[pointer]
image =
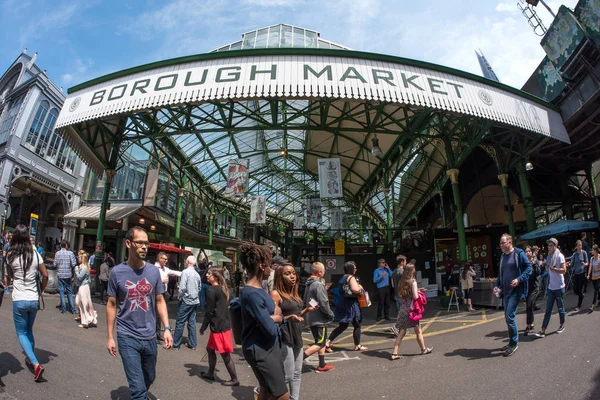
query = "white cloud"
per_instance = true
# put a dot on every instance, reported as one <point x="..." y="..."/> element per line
<point x="42" y="23"/>
<point x="78" y="73"/>
<point x="272" y="3"/>
<point x="507" y="7"/>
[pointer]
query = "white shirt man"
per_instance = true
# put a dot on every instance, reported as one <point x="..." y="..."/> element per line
<point x="165" y="272"/>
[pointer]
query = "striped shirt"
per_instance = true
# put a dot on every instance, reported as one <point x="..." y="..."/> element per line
<point x="64" y="260"/>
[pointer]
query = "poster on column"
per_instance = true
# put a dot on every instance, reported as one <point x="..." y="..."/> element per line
<point x="336" y="219"/>
<point x="330" y="178"/>
<point x="258" y="210"/>
<point x="313" y="210"/>
<point x="237" y="178"/>
<point x="298" y="224"/>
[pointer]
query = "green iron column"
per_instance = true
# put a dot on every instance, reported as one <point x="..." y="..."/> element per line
<point x="211" y="219"/>
<point x="511" y="222"/>
<point x="593" y="192"/>
<point x="442" y="210"/>
<point x="388" y="207"/>
<point x="360" y="227"/>
<point x="179" y="214"/>
<point x="460" y="225"/>
<point x="566" y="194"/>
<point x="527" y="199"/>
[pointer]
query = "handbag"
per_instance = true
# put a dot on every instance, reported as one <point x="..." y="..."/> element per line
<point x="346" y="289"/>
<point x="364" y="300"/>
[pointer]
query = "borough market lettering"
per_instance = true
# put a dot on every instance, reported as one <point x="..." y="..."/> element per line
<point x="195" y="78"/>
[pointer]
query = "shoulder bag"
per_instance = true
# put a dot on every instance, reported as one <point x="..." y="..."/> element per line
<point x="346" y="289"/>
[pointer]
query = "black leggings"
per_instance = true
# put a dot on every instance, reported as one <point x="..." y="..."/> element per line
<point x="596" y="284"/>
<point x="578" y="281"/>
<point x="212" y="363"/>
<point x="342" y="327"/>
<point x="531" y="298"/>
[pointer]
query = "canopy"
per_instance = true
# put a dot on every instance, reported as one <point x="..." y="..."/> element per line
<point x="562" y="226"/>
<point x="168" y="249"/>
<point x="218" y="257"/>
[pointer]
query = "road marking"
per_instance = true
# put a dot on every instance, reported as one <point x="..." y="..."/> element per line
<point x="367" y="329"/>
<point x="483" y="316"/>
<point x="431" y="321"/>
<point x="330" y="358"/>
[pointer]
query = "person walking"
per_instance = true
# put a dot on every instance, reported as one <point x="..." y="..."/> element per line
<point x="189" y="298"/>
<point x="83" y="300"/>
<point x="381" y="278"/>
<point x="23" y="264"/>
<point x="65" y="261"/>
<point x="579" y="265"/>
<point x="408" y="292"/>
<point x="165" y="274"/>
<point x="466" y="281"/>
<point x="261" y="341"/>
<point x="512" y="285"/>
<point x="105" y="268"/>
<point x="594" y="275"/>
<point x="533" y="289"/>
<point x="347" y="311"/>
<point x="556" y="267"/>
<point x="217" y="317"/>
<point x="396" y="275"/>
<point x="137" y="286"/>
<point x="320" y="317"/>
<point x="285" y="295"/>
<point x="203" y="267"/>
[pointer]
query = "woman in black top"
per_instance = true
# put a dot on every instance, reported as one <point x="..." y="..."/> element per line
<point x="217" y="316"/>
<point x="286" y="296"/>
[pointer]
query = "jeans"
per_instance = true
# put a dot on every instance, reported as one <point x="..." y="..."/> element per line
<point x="511" y="301"/>
<point x="292" y="364"/>
<point x="203" y="296"/>
<point x="553" y="295"/>
<point x="596" y="284"/>
<point x="24" y="313"/>
<point x="65" y="284"/>
<point x="383" y="302"/>
<point x="186" y="312"/>
<point x="139" y="363"/>
<point x="578" y="282"/>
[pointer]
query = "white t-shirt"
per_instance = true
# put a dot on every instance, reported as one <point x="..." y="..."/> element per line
<point x="25" y="289"/>
<point x="557" y="281"/>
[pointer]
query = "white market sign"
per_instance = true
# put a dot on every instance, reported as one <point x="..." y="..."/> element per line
<point x="308" y="77"/>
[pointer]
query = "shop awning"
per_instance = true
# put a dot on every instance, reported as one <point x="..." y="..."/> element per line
<point x="92" y="213"/>
<point x="167" y="249"/>
<point x="560" y="227"/>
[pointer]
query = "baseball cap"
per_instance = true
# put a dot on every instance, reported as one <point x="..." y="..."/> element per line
<point x="278" y="260"/>
<point x="552" y="240"/>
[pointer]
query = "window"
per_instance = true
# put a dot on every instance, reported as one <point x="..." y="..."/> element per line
<point x="9" y="118"/>
<point x="41" y="129"/>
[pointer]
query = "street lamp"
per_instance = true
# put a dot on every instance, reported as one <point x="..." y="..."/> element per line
<point x="376" y="150"/>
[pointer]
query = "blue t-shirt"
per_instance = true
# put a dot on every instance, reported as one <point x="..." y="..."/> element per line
<point x="510" y="271"/>
<point x="135" y="291"/>
<point x="258" y="329"/>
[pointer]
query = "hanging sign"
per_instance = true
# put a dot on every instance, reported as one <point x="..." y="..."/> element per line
<point x="237" y="178"/>
<point x="258" y="210"/>
<point x="298" y="224"/>
<point x="340" y="247"/>
<point x="336" y="219"/>
<point x="151" y="188"/>
<point x="33" y="223"/>
<point x="330" y="178"/>
<point x="313" y="210"/>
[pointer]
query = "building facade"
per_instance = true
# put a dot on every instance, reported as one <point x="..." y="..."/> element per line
<point x="41" y="177"/>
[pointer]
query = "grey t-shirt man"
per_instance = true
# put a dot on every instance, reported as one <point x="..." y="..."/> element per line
<point x="135" y="291"/>
<point x="396" y="275"/>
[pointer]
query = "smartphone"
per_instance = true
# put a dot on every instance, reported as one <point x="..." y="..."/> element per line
<point x="313" y="303"/>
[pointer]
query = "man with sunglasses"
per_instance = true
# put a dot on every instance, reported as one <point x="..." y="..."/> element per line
<point x="136" y="285"/>
<point x="512" y="285"/>
<point x="556" y="269"/>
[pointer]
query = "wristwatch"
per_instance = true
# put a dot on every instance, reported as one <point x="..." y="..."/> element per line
<point x="168" y="328"/>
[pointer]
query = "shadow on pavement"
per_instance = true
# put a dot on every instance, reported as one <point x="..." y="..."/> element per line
<point x="242" y="392"/>
<point x="195" y="369"/>
<point x="475" y="354"/>
<point x="595" y="392"/>
<point x="8" y="364"/>
<point x="499" y="335"/>
<point x="44" y="356"/>
<point x="121" y="393"/>
<point x="386" y="354"/>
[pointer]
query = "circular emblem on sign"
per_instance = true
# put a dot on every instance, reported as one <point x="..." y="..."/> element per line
<point x="485" y="97"/>
<point x="75" y="104"/>
<point x="330" y="264"/>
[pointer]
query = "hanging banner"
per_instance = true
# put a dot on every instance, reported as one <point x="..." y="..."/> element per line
<point x="258" y="210"/>
<point x="151" y="188"/>
<point x="336" y="219"/>
<point x="313" y="210"/>
<point x="237" y="178"/>
<point x="330" y="177"/>
<point x="298" y="224"/>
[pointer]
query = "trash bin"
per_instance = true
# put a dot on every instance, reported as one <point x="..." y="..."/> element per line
<point x="52" y="286"/>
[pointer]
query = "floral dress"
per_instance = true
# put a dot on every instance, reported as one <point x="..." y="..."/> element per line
<point x="402" y="321"/>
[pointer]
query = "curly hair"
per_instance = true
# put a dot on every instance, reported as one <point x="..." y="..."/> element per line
<point x="252" y="256"/>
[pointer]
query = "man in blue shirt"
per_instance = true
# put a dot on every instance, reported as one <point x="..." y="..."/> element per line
<point x="512" y="285"/>
<point x="381" y="278"/>
<point x="137" y="287"/>
<point x="65" y="261"/>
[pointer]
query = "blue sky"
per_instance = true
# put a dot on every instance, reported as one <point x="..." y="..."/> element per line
<point x="80" y="40"/>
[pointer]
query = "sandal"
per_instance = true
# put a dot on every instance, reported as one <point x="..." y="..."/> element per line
<point x="360" y="347"/>
<point x="395" y="357"/>
<point x="426" y="350"/>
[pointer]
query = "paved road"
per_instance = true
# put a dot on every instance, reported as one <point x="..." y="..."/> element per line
<point x="466" y="362"/>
